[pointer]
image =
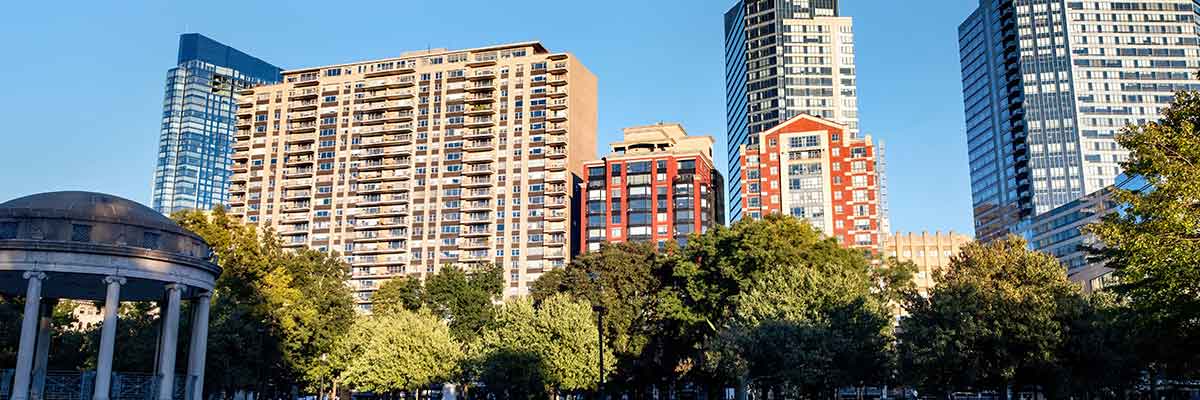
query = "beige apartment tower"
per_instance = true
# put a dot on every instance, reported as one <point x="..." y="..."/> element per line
<point x="437" y="157"/>
<point x="931" y="252"/>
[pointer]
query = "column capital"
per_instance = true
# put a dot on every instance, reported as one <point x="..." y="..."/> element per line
<point x="175" y="286"/>
<point x="204" y="294"/>
<point x="39" y="275"/>
<point x="120" y="280"/>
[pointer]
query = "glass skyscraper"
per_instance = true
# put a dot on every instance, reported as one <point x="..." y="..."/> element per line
<point x="195" y="144"/>
<point x="784" y="58"/>
<point x="1047" y="84"/>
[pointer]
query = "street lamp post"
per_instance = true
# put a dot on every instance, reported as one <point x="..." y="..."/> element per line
<point x="600" y="330"/>
<point x="599" y="309"/>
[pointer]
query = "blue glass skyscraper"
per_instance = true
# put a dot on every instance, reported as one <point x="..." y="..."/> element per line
<point x="195" y="144"/>
<point x="1047" y="85"/>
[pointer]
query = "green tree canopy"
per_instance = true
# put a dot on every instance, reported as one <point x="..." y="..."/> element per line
<point x="404" y="351"/>
<point x="1154" y="243"/>
<point x="397" y="294"/>
<point x="993" y="320"/>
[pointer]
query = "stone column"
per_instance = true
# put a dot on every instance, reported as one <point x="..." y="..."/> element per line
<point x="108" y="337"/>
<point x="25" y="348"/>
<point x="170" y="333"/>
<point x="41" y="355"/>
<point x="198" y="349"/>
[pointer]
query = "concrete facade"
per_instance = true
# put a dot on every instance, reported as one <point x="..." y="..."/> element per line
<point x="410" y="163"/>
<point x="931" y="252"/>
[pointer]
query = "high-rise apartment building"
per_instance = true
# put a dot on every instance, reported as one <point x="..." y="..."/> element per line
<point x="196" y="141"/>
<point x="658" y="184"/>
<point x="784" y="58"/>
<point x="1059" y="232"/>
<point x="431" y="158"/>
<point x="930" y="252"/>
<point x="1047" y="84"/>
<point x="814" y="169"/>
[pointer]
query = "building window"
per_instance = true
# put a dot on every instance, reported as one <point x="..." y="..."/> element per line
<point x="81" y="233"/>
<point x="8" y="230"/>
<point x="150" y="240"/>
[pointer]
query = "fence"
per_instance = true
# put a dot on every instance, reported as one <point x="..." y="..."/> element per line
<point x="72" y="385"/>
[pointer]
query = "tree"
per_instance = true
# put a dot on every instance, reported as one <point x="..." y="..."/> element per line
<point x="807" y="320"/>
<point x="992" y="321"/>
<point x="1154" y="242"/>
<point x="274" y="313"/>
<point x="645" y="324"/>
<point x="529" y="352"/>
<point x="397" y="294"/>
<point x="405" y="351"/>
<point x="465" y="299"/>
<point x="319" y="317"/>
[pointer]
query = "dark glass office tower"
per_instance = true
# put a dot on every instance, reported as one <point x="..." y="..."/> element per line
<point x="1043" y="103"/>
<point x="784" y="58"/>
<point x="197" y="135"/>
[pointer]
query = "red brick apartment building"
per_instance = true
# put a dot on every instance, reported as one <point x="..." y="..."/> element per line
<point x="815" y="169"/>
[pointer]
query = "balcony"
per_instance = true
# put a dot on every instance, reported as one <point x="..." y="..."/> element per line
<point x="378" y="236"/>
<point x="296" y="194"/>
<point x="390" y="94"/>
<point x="556" y="128"/>
<point x="386" y="105"/>
<point x="559" y="92"/>
<point x="476" y="181"/>
<point x="300" y="160"/>
<point x="239" y="177"/>
<point x="556" y="177"/>
<point x="386" y="140"/>
<point x="477" y="205"/>
<point x="478" y="134"/>
<point x="556" y="152"/>
<point x="371" y="165"/>
<point x="482" y="75"/>
<point x="481" y="86"/>
<point x="476" y="232"/>
<point x="556" y="165"/>
<point x="297" y="172"/>
<point x="380" y="260"/>
<point x="384" y="151"/>
<point x="381" y="223"/>
<point x="558" y="104"/>
<point x="479" y="145"/>
<point x="556" y="189"/>
<point x="298" y="149"/>
<point x="556" y="215"/>
<point x="393" y="82"/>
<point x="475" y="243"/>
<point x="296" y="206"/>
<point x="304" y="93"/>
<point x="380" y="247"/>
<point x="369" y="212"/>
<point x="482" y="169"/>
<point x="383" y="175"/>
<point x="478" y="158"/>
<point x="477" y="194"/>
<point x="294" y="183"/>
<point x="389" y="187"/>
<point x="377" y="199"/>
<point x="557" y="116"/>
<point x="480" y="109"/>
<point x="480" y="122"/>
<point x="303" y="105"/>
<point x="558" y="67"/>
<point x="477" y="98"/>
<point x="556" y="138"/>
<point x="300" y="127"/>
<point x="556" y="202"/>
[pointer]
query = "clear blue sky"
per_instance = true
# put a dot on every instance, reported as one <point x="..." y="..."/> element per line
<point x="83" y="83"/>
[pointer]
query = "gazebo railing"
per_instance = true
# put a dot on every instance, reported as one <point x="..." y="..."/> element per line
<point x="73" y="385"/>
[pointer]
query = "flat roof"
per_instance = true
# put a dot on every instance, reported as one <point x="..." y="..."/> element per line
<point x="537" y="45"/>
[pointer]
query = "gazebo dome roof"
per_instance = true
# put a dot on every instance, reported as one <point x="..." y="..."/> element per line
<point x="89" y="206"/>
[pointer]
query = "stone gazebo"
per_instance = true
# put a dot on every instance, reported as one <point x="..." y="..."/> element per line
<point x="93" y="246"/>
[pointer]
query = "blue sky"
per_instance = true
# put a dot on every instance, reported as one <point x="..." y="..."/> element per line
<point x="83" y="83"/>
